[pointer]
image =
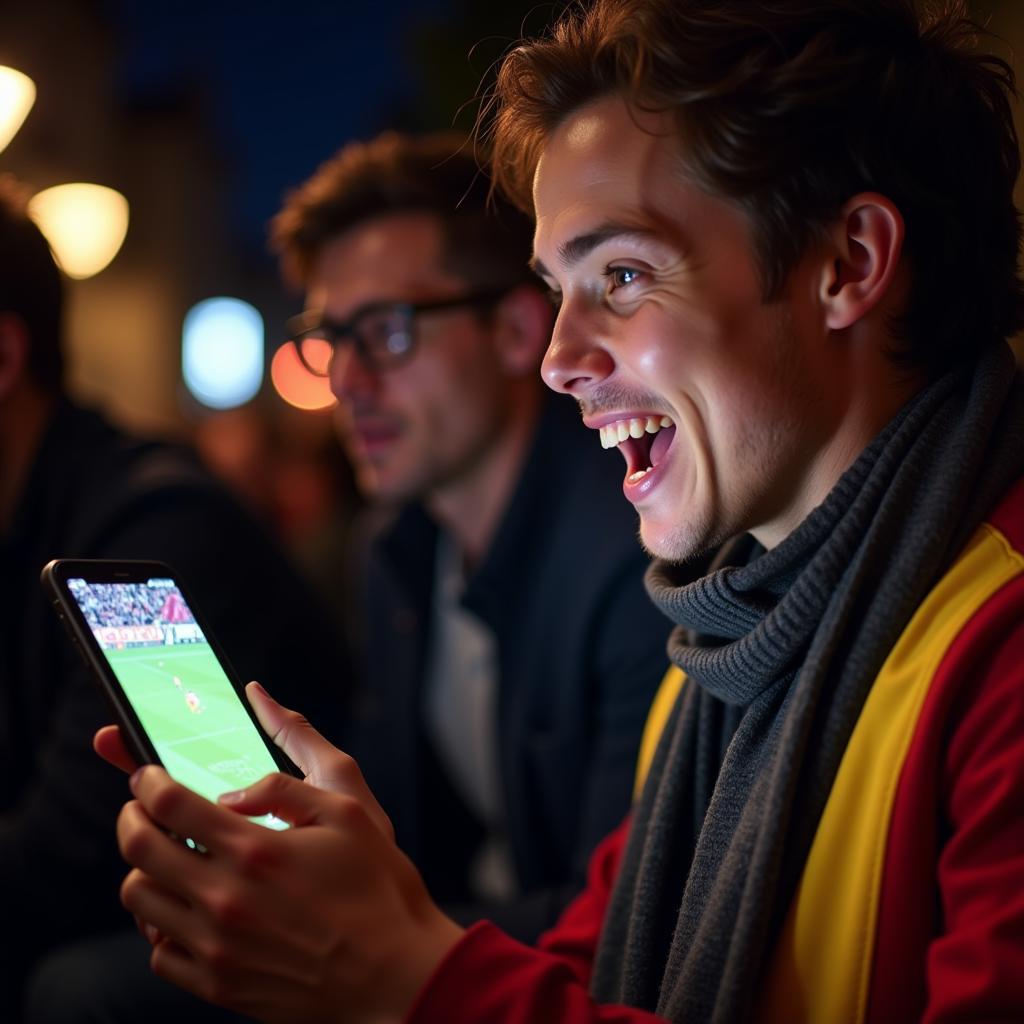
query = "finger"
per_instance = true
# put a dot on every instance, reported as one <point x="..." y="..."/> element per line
<point x="177" y="965"/>
<point x="179" y="810"/>
<point x="174" y="964"/>
<point x="289" y="799"/>
<point x="293" y="733"/>
<point x="109" y="744"/>
<point x="158" y="913"/>
<point x="146" y="846"/>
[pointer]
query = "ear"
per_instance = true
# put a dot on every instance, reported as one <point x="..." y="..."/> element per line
<point x="13" y="352"/>
<point x="867" y="241"/>
<point x="522" y="324"/>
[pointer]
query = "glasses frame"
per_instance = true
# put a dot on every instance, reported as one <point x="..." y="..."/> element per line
<point x="303" y="324"/>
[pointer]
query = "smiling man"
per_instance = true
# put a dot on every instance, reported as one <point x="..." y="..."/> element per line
<point x="785" y="244"/>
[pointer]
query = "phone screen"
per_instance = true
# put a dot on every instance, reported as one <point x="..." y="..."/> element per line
<point x="171" y="677"/>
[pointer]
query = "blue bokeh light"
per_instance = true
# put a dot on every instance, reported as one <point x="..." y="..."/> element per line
<point x="222" y="352"/>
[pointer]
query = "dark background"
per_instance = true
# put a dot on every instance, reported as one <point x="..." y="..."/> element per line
<point x="204" y="114"/>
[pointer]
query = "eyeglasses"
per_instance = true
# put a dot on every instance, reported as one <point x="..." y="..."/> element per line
<point x="382" y="333"/>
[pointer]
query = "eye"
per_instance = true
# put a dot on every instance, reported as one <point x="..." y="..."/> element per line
<point x="621" y="277"/>
<point x="554" y="296"/>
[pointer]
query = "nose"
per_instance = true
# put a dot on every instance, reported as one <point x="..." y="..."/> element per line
<point x="350" y="377"/>
<point x="576" y="359"/>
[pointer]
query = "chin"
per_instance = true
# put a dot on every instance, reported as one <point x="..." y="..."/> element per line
<point x="676" y="542"/>
<point x="387" y="488"/>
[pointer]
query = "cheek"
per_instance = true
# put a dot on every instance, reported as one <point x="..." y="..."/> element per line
<point x="451" y="406"/>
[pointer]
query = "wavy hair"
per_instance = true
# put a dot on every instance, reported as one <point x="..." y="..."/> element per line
<point x="486" y="243"/>
<point x="790" y="107"/>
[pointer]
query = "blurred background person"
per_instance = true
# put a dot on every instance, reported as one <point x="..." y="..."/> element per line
<point x="507" y="655"/>
<point x="72" y="485"/>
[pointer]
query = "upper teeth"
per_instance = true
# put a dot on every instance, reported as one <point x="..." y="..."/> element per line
<point x="617" y="432"/>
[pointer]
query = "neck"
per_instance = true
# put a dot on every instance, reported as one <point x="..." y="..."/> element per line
<point x="471" y="507"/>
<point x="868" y="393"/>
<point x="24" y="415"/>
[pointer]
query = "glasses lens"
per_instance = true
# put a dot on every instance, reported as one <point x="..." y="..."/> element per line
<point x="385" y="334"/>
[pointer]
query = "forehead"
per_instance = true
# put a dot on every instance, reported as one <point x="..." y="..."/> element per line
<point x="610" y="164"/>
<point x="393" y="257"/>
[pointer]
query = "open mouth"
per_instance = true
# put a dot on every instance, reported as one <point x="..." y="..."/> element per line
<point x="643" y="441"/>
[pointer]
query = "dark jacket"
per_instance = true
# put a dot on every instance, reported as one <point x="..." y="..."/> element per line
<point x="95" y="492"/>
<point x="580" y="650"/>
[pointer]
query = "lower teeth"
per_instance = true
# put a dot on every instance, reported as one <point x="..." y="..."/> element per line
<point x="639" y="474"/>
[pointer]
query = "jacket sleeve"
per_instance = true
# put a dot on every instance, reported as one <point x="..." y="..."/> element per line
<point x="488" y="976"/>
<point x="976" y="963"/>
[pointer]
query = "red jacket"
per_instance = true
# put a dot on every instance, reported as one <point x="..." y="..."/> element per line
<point x="911" y="905"/>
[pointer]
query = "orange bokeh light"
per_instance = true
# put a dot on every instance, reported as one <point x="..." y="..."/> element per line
<point x="295" y="384"/>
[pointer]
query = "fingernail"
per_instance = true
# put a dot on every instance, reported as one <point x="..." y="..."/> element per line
<point x="133" y="781"/>
<point x="151" y="933"/>
<point x="234" y="796"/>
<point x="256" y="686"/>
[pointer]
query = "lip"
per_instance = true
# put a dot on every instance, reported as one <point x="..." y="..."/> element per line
<point x="637" y="491"/>
<point x="373" y="436"/>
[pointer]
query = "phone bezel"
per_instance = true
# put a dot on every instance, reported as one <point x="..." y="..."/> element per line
<point x="55" y="575"/>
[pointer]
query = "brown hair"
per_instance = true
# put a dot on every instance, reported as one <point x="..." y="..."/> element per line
<point x="487" y="243"/>
<point x="790" y="107"/>
<point x="30" y="285"/>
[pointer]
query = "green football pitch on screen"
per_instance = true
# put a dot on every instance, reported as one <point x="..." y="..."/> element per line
<point x="193" y="717"/>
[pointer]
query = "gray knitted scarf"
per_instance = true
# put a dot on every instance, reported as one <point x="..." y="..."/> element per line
<point x="783" y="647"/>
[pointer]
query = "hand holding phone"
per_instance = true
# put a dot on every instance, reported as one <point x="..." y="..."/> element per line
<point x="177" y="701"/>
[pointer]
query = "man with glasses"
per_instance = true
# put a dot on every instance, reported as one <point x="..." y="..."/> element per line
<point x="509" y="649"/>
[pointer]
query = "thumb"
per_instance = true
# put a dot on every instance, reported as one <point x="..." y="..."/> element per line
<point x="323" y="764"/>
<point x="292" y="733"/>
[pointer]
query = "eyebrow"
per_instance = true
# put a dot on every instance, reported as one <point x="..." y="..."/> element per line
<point x="575" y="249"/>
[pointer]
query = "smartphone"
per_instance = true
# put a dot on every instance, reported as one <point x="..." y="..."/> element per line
<point x="177" y="700"/>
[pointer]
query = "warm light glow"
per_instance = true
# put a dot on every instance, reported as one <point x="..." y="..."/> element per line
<point x="294" y="383"/>
<point x="222" y="343"/>
<point x="17" y="94"/>
<point x="84" y="224"/>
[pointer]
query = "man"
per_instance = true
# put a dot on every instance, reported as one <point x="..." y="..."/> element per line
<point x="509" y="650"/>
<point x="785" y="232"/>
<point x="71" y="485"/>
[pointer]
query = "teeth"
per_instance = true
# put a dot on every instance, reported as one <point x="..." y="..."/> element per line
<point x="615" y="433"/>
<point x="638" y="475"/>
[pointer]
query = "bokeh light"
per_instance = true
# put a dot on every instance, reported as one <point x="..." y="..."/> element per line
<point x="294" y="383"/>
<point x="17" y="94"/>
<point x="84" y="224"/>
<point x="222" y="352"/>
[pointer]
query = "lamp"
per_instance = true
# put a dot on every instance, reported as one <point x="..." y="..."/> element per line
<point x="17" y="94"/>
<point x="84" y="224"/>
<point x="295" y="384"/>
<point x="222" y="343"/>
